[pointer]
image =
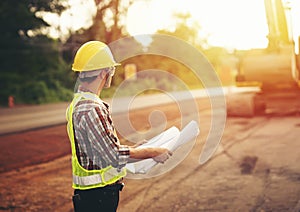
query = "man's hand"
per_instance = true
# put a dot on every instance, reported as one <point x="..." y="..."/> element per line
<point x="165" y="154"/>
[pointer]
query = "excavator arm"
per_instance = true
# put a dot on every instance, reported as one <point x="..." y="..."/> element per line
<point x="277" y="24"/>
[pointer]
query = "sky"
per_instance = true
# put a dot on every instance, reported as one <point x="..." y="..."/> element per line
<point x="233" y="24"/>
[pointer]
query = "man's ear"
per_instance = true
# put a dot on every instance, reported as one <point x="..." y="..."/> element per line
<point x="102" y="74"/>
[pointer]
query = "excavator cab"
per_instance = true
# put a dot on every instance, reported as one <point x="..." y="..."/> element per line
<point x="274" y="71"/>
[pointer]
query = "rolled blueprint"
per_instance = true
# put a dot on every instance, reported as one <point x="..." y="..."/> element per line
<point x="171" y="139"/>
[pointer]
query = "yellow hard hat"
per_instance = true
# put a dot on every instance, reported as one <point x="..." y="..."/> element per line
<point x="93" y="55"/>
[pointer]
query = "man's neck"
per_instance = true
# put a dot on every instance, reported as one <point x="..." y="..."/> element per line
<point x="90" y="90"/>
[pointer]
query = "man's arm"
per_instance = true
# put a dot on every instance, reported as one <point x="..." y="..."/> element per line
<point x="157" y="153"/>
<point x="121" y="153"/>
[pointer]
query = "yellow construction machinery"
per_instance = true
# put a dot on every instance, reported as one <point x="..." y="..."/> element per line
<point x="274" y="71"/>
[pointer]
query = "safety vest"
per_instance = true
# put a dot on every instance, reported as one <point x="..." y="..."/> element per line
<point x="83" y="178"/>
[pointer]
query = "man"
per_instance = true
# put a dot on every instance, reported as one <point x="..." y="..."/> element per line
<point x="98" y="159"/>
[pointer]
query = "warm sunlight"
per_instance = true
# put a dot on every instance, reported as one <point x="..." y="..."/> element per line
<point x="79" y="15"/>
<point x="231" y="23"/>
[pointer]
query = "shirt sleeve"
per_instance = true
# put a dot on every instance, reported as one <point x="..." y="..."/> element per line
<point x="104" y="140"/>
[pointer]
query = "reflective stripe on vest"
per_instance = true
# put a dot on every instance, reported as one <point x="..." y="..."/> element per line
<point x="83" y="178"/>
<point x="96" y="178"/>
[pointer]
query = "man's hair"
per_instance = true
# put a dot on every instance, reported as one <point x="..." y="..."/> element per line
<point x="87" y="79"/>
<point x="90" y="76"/>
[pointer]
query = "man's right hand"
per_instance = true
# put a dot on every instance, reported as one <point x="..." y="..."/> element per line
<point x="165" y="154"/>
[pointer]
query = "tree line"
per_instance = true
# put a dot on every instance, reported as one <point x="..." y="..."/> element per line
<point x="36" y="68"/>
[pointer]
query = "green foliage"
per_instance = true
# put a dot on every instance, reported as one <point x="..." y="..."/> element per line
<point x="188" y="30"/>
<point x="141" y="85"/>
<point x="155" y="74"/>
<point x="31" y="66"/>
<point x="33" y="71"/>
<point x="37" y="92"/>
<point x="175" y="70"/>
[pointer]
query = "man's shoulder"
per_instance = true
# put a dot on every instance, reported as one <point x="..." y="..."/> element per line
<point x="88" y="105"/>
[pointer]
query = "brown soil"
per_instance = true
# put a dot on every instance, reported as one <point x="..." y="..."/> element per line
<point x="256" y="168"/>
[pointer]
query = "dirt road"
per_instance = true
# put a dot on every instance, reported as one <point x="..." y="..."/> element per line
<point x="256" y="168"/>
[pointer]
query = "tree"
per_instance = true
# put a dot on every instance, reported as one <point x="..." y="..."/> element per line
<point x="186" y="29"/>
<point x="108" y="19"/>
<point x="108" y="26"/>
<point x="31" y="67"/>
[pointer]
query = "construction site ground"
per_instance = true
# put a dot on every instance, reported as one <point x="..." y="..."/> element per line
<point x="256" y="168"/>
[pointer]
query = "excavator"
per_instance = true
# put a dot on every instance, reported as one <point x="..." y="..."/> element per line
<point x="272" y="73"/>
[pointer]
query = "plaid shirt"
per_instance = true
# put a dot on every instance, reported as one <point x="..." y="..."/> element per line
<point x="97" y="145"/>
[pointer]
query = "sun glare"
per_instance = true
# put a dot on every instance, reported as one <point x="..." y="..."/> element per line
<point x="231" y="23"/>
<point x="146" y="17"/>
<point x="76" y="17"/>
<point x="234" y="24"/>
